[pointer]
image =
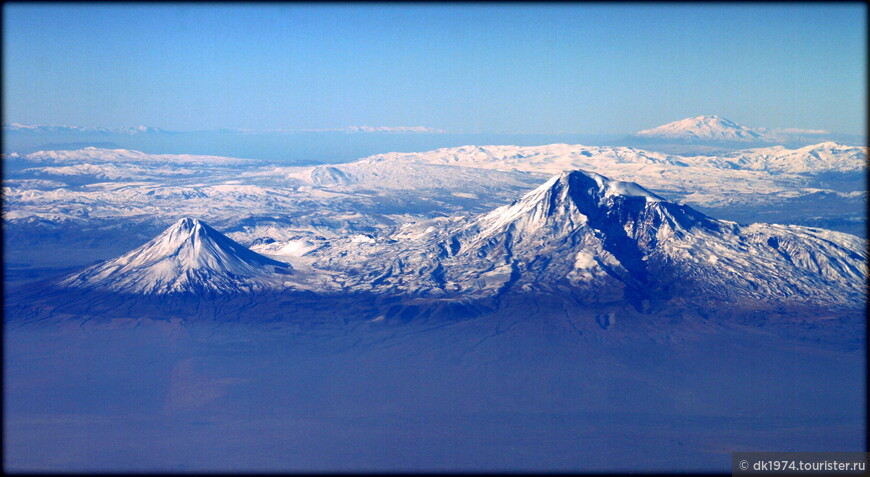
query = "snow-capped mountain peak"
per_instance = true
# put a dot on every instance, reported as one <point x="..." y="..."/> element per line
<point x="704" y="128"/>
<point x="583" y="230"/>
<point x="188" y="256"/>
<point x="566" y="200"/>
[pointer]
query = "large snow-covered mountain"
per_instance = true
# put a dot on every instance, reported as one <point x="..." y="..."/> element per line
<point x="582" y="229"/>
<point x="189" y="257"/>
<point x="604" y="240"/>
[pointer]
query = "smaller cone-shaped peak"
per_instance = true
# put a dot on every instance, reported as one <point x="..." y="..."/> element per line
<point x="188" y="256"/>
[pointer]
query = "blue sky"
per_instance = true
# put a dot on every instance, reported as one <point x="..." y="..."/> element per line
<point x="465" y="68"/>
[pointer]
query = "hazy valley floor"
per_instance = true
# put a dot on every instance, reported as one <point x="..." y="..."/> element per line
<point x="515" y="391"/>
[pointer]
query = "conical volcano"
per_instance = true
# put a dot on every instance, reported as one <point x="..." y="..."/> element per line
<point x="188" y="257"/>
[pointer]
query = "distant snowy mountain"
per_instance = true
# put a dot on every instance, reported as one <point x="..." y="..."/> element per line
<point x="706" y="128"/>
<point x="715" y="134"/>
<point x="189" y="257"/>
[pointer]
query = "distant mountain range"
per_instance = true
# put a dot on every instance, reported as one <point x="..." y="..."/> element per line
<point x="695" y="130"/>
<point x="814" y="159"/>
<point x="55" y="129"/>
<point x="36" y="129"/>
